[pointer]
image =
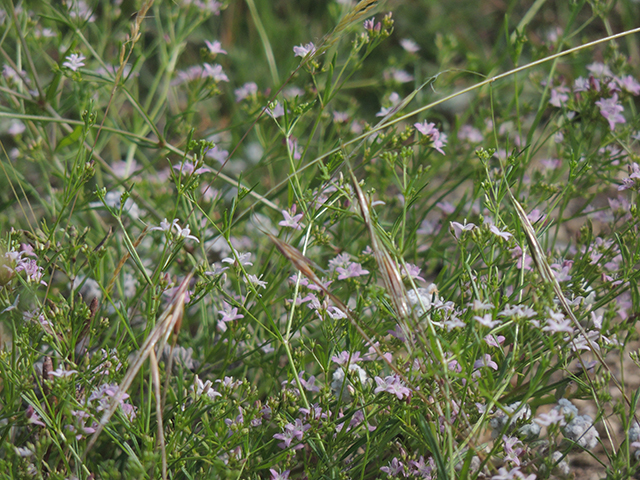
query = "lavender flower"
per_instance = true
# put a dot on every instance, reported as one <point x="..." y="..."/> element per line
<point x="438" y="139"/>
<point x="345" y="357"/>
<point x="611" y="110"/>
<point x="486" y="320"/>
<point x="245" y="91"/>
<point x="420" y="299"/>
<point x="291" y="220"/>
<point x="392" y="384"/>
<point x="554" y="417"/>
<point x="394" y="100"/>
<point x="458" y="228"/>
<point x="304" y="50"/>
<point x="339" y="379"/>
<point x="215" y="71"/>
<point x="275" y="475"/>
<point x="496" y="231"/>
<point x="394" y="469"/>
<point x="352" y="270"/>
<point x="291" y="432"/>
<point x="215" y="47"/>
<point x="470" y="134"/>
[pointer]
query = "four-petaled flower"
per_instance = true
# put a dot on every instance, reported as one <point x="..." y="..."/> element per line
<point x="458" y="228"/>
<point x="215" y="47"/>
<point x="291" y="220"/>
<point x="611" y="110"/>
<point x="353" y="270"/>
<point x="292" y="431"/>
<point x="392" y="384"/>
<point x="276" y="475"/>
<point x="74" y="61"/>
<point x="395" y="468"/>
<point x="346" y="357"/>
<point x="181" y="233"/>
<point x="214" y="71"/>
<point x="486" y="320"/>
<point x="552" y="418"/>
<point x="438" y="139"/>
<point x="495" y="230"/>
<point x="304" y="50"/>
<point x="229" y="314"/>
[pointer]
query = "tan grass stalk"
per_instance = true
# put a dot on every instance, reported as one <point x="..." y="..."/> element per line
<point x="168" y="322"/>
<point x="540" y="260"/>
<point x="303" y="264"/>
<point x="387" y="267"/>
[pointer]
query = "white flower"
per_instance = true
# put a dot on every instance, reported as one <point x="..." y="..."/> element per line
<point x="409" y="45"/>
<point x="74" y="61"/>
<point x="304" y="50"/>
<point x="256" y="281"/>
<point x="184" y="233"/>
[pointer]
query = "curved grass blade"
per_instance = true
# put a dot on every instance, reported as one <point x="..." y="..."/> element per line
<point x="540" y="261"/>
<point x="169" y="321"/>
<point x="387" y="267"/>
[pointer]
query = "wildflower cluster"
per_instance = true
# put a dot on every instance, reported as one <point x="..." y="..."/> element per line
<point x="364" y="249"/>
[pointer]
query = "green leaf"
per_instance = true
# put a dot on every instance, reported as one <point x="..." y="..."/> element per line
<point x="70" y="139"/>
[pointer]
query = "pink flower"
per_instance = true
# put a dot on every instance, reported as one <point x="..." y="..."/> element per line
<point x="215" y="47"/>
<point x="309" y="385"/>
<point x="352" y="270"/>
<point x="189" y="168"/>
<point x="370" y="25"/>
<point x="247" y="90"/>
<point x="336" y="313"/>
<point x="230" y="314"/>
<point x="291" y="220"/>
<point x="33" y="417"/>
<point x="392" y="384"/>
<point x="217" y="154"/>
<point x="486" y="320"/>
<point x="275" y="475"/>
<point x="346" y="357"/>
<point x="485" y="361"/>
<point x="61" y="372"/>
<point x="559" y="96"/>
<point x="551" y="418"/>
<point x="292" y="431"/>
<point x="304" y="50"/>
<point x="274" y="110"/>
<point x="611" y="110"/>
<point x="629" y="84"/>
<point x="495" y="230"/>
<point x="399" y="76"/>
<point x="412" y="271"/>
<point x="458" y="228"/>
<point x="409" y="45"/>
<point x="470" y="134"/>
<point x="557" y="323"/>
<point x="294" y="148"/>
<point x="394" y="469"/>
<point x="438" y="139"/>
<point x="215" y="71"/>
<point x="394" y="100"/>
<point x="494" y="341"/>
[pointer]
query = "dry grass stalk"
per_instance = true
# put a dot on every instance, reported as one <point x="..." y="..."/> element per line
<point x="387" y="267"/>
<point x="168" y="322"/>
<point x="303" y="264"/>
<point x="540" y="261"/>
